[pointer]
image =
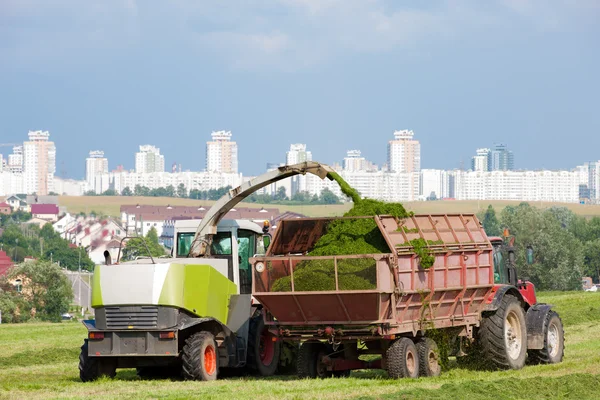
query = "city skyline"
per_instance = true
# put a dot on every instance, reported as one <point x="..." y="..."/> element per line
<point x="119" y="74"/>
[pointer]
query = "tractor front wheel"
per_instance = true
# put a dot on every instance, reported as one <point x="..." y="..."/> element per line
<point x="200" y="359"/>
<point x="503" y="335"/>
<point x="554" y="342"/>
<point x="263" y="348"/>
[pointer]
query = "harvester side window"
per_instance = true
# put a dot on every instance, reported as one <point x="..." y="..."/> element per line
<point x="184" y="241"/>
<point x="221" y="244"/>
<point x="246" y="248"/>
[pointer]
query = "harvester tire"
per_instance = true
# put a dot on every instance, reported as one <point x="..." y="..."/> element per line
<point x="402" y="359"/>
<point x="200" y="358"/>
<point x="429" y="357"/>
<point x="554" y="342"/>
<point x="308" y="363"/>
<point x="91" y="368"/>
<point x="503" y="335"/>
<point x="263" y="352"/>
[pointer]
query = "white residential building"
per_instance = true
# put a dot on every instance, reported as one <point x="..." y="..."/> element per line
<point x="95" y="164"/>
<point x="39" y="163"/>
<point x="69" y="187"/>
<point x="480" y="161"/>
<point x="404" y="153"/>
<point x="550" y="186"/>
<point x="354" y="162"/>
<point x="434" y="184"/>
<point x="15" y="160"/>
<point x="295" y="155"/>
<point x="10" y="183"/>
<point x="149" y="159"/>
<point x="222" y="153"/>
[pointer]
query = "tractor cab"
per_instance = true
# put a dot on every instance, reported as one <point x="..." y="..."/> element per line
<point x="236" y="242"/>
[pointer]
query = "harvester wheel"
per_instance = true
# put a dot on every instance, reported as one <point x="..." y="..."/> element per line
<point x="403" y="359"/>
<point x="309" y="361"/>
<point x="91" y="368"/>
<point x="554" y="342"/>
<point x="429" y="357"/>
<point x="503" y="335"/>
<point x="263" y="350"/>
<point x="200" y="359"/>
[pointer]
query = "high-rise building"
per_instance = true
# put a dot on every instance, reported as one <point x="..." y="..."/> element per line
<point x="355" y="162"/>
<point x="297" y="154"/>
<point x="480" y="161"/>
<point x="149" y="159"/>
<point x="404" y="153"/>
<point x="2" y="163"/>
<point x="39" y="163"/>
<point x="222" y="153"/>
<point x="95" y="165"/>
<point x="501" y="159"/>
<point x="15" y="160"/>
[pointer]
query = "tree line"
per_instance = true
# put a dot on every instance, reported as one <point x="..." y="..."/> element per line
<point x="566" y="246"/>
<point x="280" y="197"/>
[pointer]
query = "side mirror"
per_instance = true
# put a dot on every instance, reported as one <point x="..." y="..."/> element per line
<point x="266" y="241"/>
<point x="529" y="255"/>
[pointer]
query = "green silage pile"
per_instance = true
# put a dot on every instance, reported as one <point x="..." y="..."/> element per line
<point x="345" y="237"/>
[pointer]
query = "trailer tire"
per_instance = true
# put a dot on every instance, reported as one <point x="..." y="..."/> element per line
<point x="403" y="359"/>
<point x="91" y="368"/>
<point x="200" y="357"/>
<point x="554" y="342"/>
<point x="308" y="363"/>
<point x="263" y="352"/>
<point x="429" y="357"/>
<point x="503" y="335"/>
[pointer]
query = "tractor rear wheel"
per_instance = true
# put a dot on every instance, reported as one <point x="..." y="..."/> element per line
<point x="429" y="357"/>
<point x="263" y="350"/>
<point x="503" y="335"/>
<point x="200" y="358"/>
<point x="402" y="359"/>
<point x="554" y="342"/>
<point x="309" y="364"/>
<point x="91" y="368"/>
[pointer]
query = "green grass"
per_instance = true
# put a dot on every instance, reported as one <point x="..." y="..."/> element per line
<point x="39" y="360"/>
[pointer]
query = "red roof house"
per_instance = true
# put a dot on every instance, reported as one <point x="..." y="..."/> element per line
<point x="48" y="212"/>
<point x="5" y="208"/>
<point x="5" y="263"/>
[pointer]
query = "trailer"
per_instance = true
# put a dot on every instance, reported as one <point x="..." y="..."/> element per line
<point x="469" y="302"/>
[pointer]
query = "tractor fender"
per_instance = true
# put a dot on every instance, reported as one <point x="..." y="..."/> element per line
<point x="536" y="325"/>
<point x="207" y="324"/>
<point x="499" y="295"/>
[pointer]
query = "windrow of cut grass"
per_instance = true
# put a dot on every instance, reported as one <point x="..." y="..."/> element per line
<point x="39" y="361"/>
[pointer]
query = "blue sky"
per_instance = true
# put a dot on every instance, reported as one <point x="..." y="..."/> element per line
<point x="334" y="74"/>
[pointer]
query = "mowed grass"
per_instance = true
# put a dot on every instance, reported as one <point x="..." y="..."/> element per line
<point x="110" y="205"/>
<point x="39" y="360"/>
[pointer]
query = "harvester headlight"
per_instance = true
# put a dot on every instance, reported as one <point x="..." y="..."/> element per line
<point x="260" y="267"/>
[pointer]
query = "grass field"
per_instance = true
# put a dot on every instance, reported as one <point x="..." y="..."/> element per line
<point x="39" y="360"/>
<point x="110" y="205"/>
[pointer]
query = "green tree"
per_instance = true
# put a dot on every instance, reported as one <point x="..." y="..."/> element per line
<point x="181" y="191"/>
<point x="126" y="191"/>
<point x="281" y="194"/>
<point x="46" y="288"/>
<point x="140" y="246"/>
<point x="170" y="191"/>
<point x="140" y="190"/>
<point x="491" y="225"/>
<point x="559" y="259"/>
<point x="110" y="192"/>
<point x="591" y="255"/>
<point x="328" y="197"/>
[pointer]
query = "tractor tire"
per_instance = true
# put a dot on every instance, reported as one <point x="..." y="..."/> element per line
<point x="554" y="342"/>
<point x="429" y="357"/>
<point x="309" y="361"/>
<point x="263" y="352"/>
<point x="503" y="335"/>
<point x="92" y="368"/>
<point x="200" y="358"/>
<point x="402" y="359"/>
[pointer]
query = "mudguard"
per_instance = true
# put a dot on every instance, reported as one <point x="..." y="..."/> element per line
<point x="536" y="321"/>
<point x="499" y="295"/>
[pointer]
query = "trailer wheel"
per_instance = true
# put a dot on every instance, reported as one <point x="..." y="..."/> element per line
<point x="309" y="363"/>
<point x="263" y="352"/>
<point x="554" y="342"/>
<point x="91" y="368"/>
<point x="503" y="335"/>
<point x="200" y="359"/>
<point x="403" y="359"/>
<point x="429" y="357"/>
